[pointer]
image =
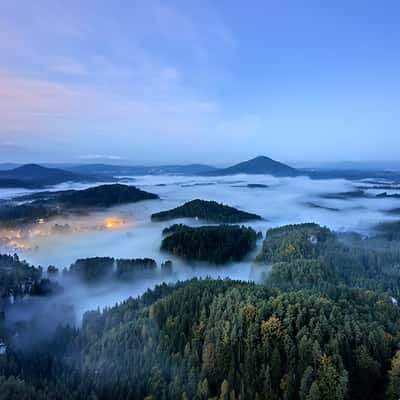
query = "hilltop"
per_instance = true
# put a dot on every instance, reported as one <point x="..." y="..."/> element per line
<point x="43" y="205"/>
<point x="37" y="176"/>
<point x="207" y="210"/>
<point x="258" y="165"/>
<point x="97" y="196"/>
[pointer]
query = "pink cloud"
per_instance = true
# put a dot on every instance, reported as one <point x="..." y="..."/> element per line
<point x="29" y="105"/>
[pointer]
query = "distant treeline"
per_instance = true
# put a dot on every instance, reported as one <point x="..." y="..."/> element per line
<point x="95" y="269"/>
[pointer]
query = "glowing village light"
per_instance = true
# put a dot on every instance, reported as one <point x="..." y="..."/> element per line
<point x="114" y="223"/>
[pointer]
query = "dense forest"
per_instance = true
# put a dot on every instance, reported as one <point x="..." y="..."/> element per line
<point x="223" y="340"/>
<point x="97" y="196"/>
<point x="324" y="325"/>
<point x="43" y="205"/>
<point x="210" y="211"/>
<point x="98" y="269"/>
<point x="18" y="278"/>
<point x="214" y="244"/>
<point x="308" y="255"/>
<point x="15" y="215"/>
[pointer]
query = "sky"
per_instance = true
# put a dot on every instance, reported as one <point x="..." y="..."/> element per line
<point x="199" y="81"/>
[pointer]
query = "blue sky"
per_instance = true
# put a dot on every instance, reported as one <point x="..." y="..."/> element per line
<point x="199" y="81"/>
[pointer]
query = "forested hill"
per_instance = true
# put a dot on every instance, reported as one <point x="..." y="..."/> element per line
<point x="96" y="196"/>
<point x="223" y="340"/>
<point x="206" y="210"/>
<point x="214" y="244"/>
<point x="313" y="257"/>
<point x="325" y="324"/>
<point x="37" y="176"/>
<point x="44" y="205"/>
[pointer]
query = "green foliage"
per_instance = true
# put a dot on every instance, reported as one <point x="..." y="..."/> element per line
<point x="229" y="340"/>
<point x="14" y="215"/>
<point x="389" y="230"/>
<point x="308" y="256"/>
<point x="215" y="244"/>
<point x="393" y="390"/>
<point x="16" y="389"/>
<point x="323" y="328"/>
<point x="130" y="268"/>
<point x="293" y="242"/>
<point x="206" y="210"/>
<point x="92" y="269"/>
<point x="97" y="196"/>
<point x="104" y="196"/>
<point x="302" y="274"/>
<point x="95" y="269"/>
<point x="17" y="277"/>
<point x="44" y="205"/>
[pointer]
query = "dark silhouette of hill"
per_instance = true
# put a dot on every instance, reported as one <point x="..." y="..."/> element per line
<point x="113" y="170"/>
<point x="97" y="196"/>
<point x="258" y="165"/>
<point x="206" y="210"/>
<point x="36" y="176"/>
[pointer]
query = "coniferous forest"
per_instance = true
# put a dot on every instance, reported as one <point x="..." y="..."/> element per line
<point x="323" y="324"/>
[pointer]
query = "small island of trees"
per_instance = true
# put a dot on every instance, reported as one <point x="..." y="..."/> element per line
<point x="214" y="244"/>
<point x="206" y="210"/>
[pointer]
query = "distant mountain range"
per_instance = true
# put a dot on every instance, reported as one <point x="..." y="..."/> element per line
<point x="126" y="170"/>
<point x="34" y="176"/>
<point x="258" y="165"/>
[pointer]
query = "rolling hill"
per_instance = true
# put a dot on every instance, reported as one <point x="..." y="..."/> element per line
<point x="121" y="170"/>
<point x="97" y="196"/>
<point x="258" y="165"/>
<point x="36" y="176"/>
<point x="206" y="210"/>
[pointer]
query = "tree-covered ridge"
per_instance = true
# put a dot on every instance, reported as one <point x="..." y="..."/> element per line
<point x="17" y="277"/>
<point x="309" y="256"/>
<point x="389" y="230"/>
<point x="43" y="205"/>
<point x="206" y="210"/>
<point x="292" y="242"/>
<point x="97" y="269"/>
<point x="214" y="244"/>
<point x="14" y="215"/>
<point x="36" y="176"/>
<point x="174" y="228"/>
<point x="97" y="196"/>
<point x="298" y="274"/>
<point x="227" y="340"/>
<point x="92" y="269"/>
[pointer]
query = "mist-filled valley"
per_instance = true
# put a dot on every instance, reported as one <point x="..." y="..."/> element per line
<point x="128" y="232"/>
<point x="167" y="274"/>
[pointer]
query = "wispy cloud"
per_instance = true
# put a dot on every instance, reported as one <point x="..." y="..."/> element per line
<point x="28" y="105"/>
<point x="70" y="67"/>
<point x="121" y="72"/>
<point x="96" y="157"/>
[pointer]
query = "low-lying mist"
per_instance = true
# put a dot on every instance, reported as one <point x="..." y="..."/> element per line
<point x="279" y="201"/>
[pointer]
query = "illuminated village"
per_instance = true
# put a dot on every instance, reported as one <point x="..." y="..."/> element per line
<point x="22" y="238"/>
